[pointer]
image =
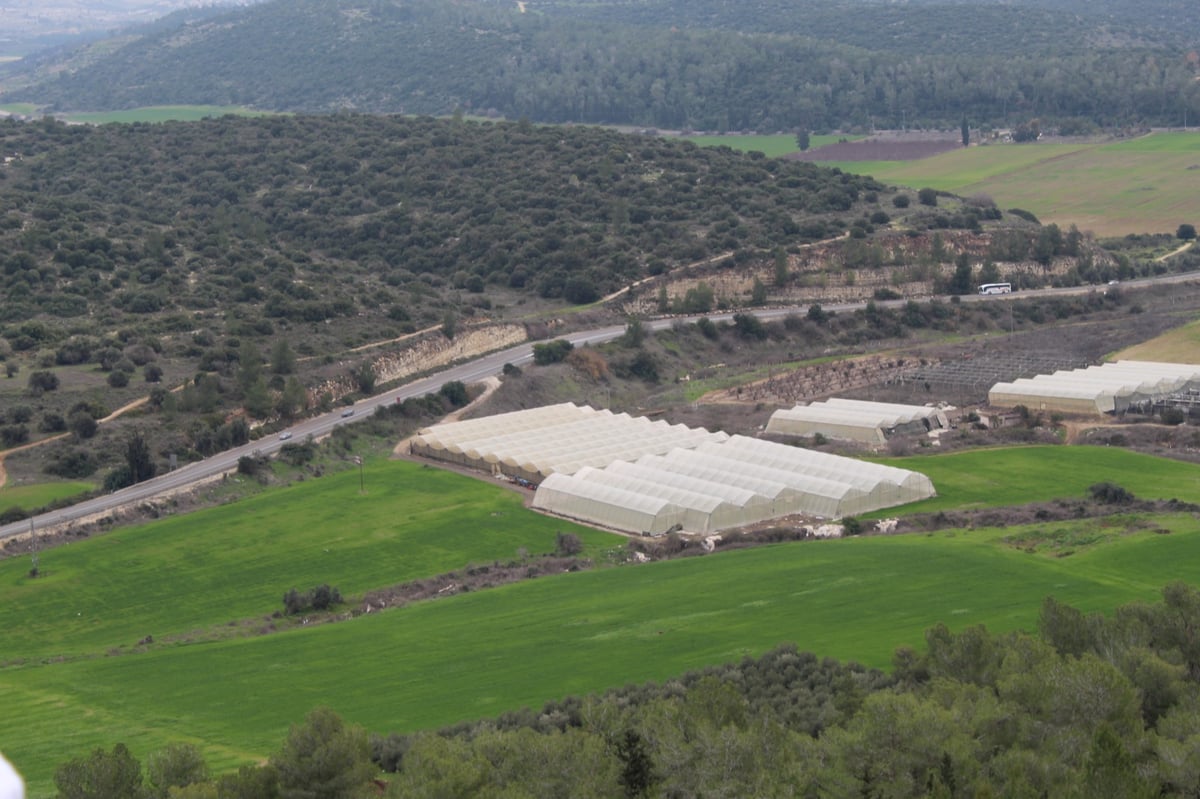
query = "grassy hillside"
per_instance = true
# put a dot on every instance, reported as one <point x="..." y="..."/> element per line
<point x="1135" y="186"/>
<point x="480" y="653"/>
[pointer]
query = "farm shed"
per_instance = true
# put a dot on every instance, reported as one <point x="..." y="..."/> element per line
<point x="1109" y="388"/>
<point x="855" y="420"/>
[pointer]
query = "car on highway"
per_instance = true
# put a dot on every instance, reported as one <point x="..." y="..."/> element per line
<point x="347" y="412"/>
<point x="285" y="435"/>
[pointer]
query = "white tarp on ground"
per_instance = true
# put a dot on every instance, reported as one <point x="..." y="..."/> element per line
<point x="1098" y="389"/>
<point x="853" y="420"/>
<point x="11" y="784"/>
<point x="642" y="476"/>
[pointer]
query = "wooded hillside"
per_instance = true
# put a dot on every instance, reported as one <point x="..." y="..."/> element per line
<point x="706" y="66"/>
<point x="305" y="219"/>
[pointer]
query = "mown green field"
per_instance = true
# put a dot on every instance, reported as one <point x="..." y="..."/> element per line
<point x="1143" y="185"/>
<point x="772" y="146"/>
<point x="480" y="653"/>
<point x="40" y="495"/>
<point x="161" y="113"/>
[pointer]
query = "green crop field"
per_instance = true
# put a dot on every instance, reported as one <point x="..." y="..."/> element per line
<point x="1143" y="185"/>
<point x="40" y="495"/>
<point x="1179" y="345"/>
<point x="1016" y="475"/>
<point x="160" y="113"/>
<point x="772" y="146"/>
<point x="484" y="652"/>
<point x="179" y="578"/>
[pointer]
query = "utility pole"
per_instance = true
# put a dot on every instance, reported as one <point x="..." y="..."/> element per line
<point x="33" y="546"/>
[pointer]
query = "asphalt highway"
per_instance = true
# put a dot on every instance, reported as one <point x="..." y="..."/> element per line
<point x="471" y="372"/>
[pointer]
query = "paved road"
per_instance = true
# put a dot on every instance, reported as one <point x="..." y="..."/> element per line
<point x="474" y="371"/>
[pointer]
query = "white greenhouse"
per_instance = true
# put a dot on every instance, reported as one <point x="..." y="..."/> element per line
<point x="632" y="474"/>
<point x="855" y="420"/>
<point x="1109" y="388"/>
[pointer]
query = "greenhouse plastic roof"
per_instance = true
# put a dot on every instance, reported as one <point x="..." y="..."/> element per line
<point x="637" y="475"/>
<point x="1100" y="389"/>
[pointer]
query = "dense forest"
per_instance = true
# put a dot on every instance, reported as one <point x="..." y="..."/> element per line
<point x="830" y="65"/>
<point x="1089" y="706"/>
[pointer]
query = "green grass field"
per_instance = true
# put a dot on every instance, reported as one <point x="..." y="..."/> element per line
<point x="40" y="495"/>
<point x="1179" y="345"/>
<point x="481" y="653"/>
<point x="161" y="113"/>
<point x="1143" y="185"/>
<point x="1017" y="475"/>
<point x="184" y="577"/>
<point x="772" y="146"/>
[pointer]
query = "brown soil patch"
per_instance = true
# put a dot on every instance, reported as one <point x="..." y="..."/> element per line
<point x="879" y="150"/>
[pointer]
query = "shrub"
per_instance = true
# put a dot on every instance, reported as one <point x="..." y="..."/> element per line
<point x="1110" y="494"/>
<point x="52" y="422"/>
<point x="707" y="328"/>
<point x="567" y="545"/>
<point x="72" y="464"/>
<point x="551" y="352"/>
<point x="928" y="197"/>
<point x="455" y="392"/>
<point x="749" y="326"/>
<point x="82" y="424"/>
<point x="1172" y="416"/>
<point x="901" y="201"/>
<point x="1186" y="232"/>
<point x="322" y="597"/>
<point x="118" y="379"/>
<point x="13" y="434"/>
<point x="851" y="525"/>
<point x="42" y="381"/>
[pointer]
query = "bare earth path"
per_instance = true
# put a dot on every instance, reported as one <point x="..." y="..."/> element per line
<point x="1181" y="248"/>
<point x="137" y="403"/>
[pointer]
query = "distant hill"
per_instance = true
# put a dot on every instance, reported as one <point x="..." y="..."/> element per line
<point x="705" y="66"/>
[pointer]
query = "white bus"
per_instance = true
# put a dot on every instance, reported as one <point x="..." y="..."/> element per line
<point x="995" y="288"/>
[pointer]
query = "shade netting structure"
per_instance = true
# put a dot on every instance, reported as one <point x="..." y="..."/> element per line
<point x="855" y="420"/>
<point x="1108" y="388"/>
